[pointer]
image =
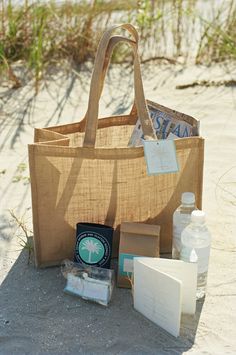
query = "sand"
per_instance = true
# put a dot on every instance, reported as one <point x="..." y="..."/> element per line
<point x="36" y="317"/>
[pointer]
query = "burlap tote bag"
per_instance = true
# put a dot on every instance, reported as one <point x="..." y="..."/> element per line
<point x="86" y="172"/>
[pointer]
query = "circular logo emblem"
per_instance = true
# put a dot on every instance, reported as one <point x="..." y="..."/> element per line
<point x="92" y="248"/>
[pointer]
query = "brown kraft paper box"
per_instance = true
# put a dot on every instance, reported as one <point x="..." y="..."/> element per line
<point x="136" y="239"/>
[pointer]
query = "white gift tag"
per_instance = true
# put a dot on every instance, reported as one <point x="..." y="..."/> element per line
<point x="160" y="157"/>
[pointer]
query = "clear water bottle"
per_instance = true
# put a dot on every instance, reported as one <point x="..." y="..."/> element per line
<point x="181" y="218"/>
<point x="197" y="237"/>
<point x="189" y="255"/>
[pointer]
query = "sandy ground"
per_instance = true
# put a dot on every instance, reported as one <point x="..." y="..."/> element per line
<point x="36" y="317"/>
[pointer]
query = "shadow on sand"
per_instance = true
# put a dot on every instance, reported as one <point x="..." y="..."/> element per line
<point x="37" y="317"/>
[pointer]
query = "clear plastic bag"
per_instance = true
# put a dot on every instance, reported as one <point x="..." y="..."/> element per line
<point x="91" y="283"/>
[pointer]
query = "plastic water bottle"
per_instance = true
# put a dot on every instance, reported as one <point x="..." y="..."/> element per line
<point x="181" y="218"/>
<point x="197" y="237"/>
<point x="189" y="255"/>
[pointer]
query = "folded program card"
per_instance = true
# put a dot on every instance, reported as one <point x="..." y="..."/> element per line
<point x="163" y="289"/>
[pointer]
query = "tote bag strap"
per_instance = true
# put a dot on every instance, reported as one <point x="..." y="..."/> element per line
<point x="114" y="40"/>
<point x="104" y="52"/>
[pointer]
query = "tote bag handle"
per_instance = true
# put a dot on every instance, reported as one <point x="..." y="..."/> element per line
<point x="104" y="52"/>
<point x="114" y="40"/>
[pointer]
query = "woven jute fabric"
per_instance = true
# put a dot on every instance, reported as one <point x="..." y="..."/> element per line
<point x="85" y="171"/>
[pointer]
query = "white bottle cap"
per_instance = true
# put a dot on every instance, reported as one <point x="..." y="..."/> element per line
<point x="198" y="216"/>
<point x="188" y="198"/>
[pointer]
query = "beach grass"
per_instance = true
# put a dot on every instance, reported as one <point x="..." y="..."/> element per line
<point x="43" y="34"/>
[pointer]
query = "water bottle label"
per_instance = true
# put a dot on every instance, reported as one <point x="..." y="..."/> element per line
<point x="177" y="237"/>
<point x="188" y="254"/>
<point x="178" y="229"/>
<point x="203" y="259"/>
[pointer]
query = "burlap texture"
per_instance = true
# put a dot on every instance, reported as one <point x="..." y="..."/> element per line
<point x="107" y="183"/>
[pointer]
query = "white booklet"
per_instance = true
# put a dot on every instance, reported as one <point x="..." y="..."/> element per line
<point x="163" y="289"/>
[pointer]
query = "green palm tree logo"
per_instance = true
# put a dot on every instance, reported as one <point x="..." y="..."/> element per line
<point x="91" y="250"/>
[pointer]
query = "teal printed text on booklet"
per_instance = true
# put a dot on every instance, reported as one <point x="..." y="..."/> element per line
<point x="160" y="157"/>
<point x="126" y="264"/>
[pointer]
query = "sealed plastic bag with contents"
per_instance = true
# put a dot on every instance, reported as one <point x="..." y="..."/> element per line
<point x="91" y="283"/>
